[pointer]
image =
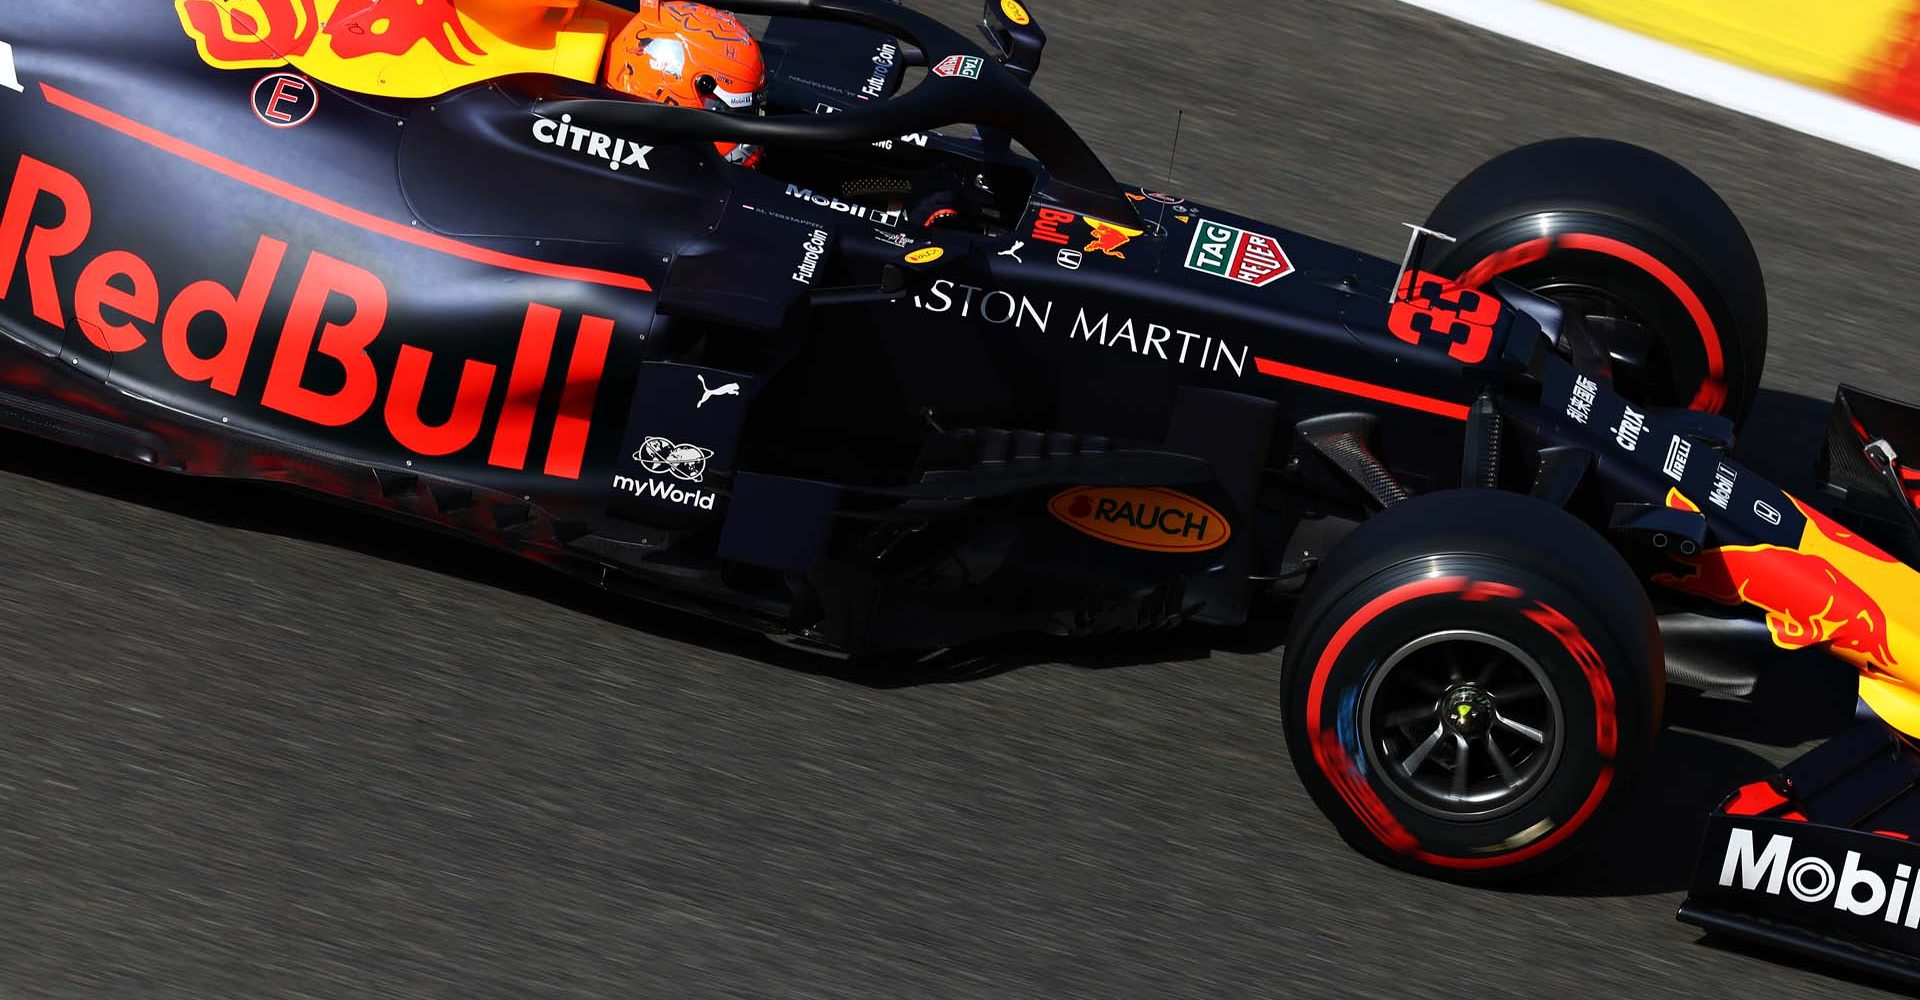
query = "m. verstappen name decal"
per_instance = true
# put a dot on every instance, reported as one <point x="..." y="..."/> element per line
<point x="116" y="303"/>
<point x="1815" y="881"/>
<point x="617" y="152"/>
<point x="1147" y="340"/>
<point x="1150" y="519"/>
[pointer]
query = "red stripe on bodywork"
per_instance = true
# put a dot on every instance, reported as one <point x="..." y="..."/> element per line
<point x="1365" y="390"/>
<point x="333" y="209"/>
<point x="576" y="403"/>
<point x="524" y="385"/>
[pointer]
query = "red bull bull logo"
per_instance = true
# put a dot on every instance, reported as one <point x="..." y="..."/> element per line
<point x="1054" y="226"/>
<point x="275" y="32"/>
<point x="1831" y="591"/>
<point x="393" y="27"/>
<point x="1109" y="238"/>
<point x="251" y="35"/>
<point x="1809" y="600"/>
<point x="395" y="48"/>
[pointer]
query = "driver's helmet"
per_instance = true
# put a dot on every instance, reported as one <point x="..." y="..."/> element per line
<point x="691" y="55"/>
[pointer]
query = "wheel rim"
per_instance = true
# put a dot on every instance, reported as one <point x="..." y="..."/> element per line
<point x="1462" y="725"/>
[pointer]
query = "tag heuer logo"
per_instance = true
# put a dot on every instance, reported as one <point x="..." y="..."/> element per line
<point x="961" y="66"/>
<point x="1237" y="255"/>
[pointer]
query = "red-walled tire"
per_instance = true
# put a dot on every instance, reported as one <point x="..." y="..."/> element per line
<point x="1636" y="242"/>
<point x="1484" y="620"/>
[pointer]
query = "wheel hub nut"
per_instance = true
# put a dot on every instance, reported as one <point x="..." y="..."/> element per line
<point x="1467" y="711"/>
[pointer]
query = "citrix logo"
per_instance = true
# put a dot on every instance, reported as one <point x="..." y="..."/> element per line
<point x="566" y="135"/>
<point x="1810" y="879"/>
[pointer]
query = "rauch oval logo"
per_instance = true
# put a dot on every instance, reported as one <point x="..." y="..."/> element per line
<point x="1148" y="518"/>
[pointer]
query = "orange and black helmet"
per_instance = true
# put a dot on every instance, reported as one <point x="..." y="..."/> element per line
<point x="691" y="55"/>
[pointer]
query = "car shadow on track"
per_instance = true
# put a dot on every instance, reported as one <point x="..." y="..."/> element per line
<point x="1712" y="745"/>
<point x="1715" y="743"/>
<point x="272" y="509"/>
<point x="1651" y="849"/>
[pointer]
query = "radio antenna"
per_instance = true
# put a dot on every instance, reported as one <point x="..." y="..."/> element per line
<point x="1179" y="118"/>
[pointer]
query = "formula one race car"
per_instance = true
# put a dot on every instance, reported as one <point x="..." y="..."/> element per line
<point x="899" y="389"/>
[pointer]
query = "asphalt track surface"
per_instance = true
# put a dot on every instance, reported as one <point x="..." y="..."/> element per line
<point x="252" y="746"/>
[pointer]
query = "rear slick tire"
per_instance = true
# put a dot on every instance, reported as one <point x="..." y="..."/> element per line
<point x="1472" y="684"/>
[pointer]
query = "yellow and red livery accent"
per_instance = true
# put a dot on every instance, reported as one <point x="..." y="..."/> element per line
<point x="1832" y="591"/>
<point x="404" y="48"/>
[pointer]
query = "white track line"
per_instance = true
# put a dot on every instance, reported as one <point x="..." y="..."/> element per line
<point x="1598" y="43"/>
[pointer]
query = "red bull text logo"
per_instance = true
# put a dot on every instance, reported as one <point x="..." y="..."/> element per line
<point x="323" y="370"/>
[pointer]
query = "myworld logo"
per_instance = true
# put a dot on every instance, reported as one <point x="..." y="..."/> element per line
<point x="1813" y="880"/>
<point x="657" y="489"/>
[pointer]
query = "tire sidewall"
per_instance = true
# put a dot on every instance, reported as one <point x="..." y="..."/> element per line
<point x="1682" y="339"/>
<point x="1635" y="196"/>
<point x="1586" y="663"/>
